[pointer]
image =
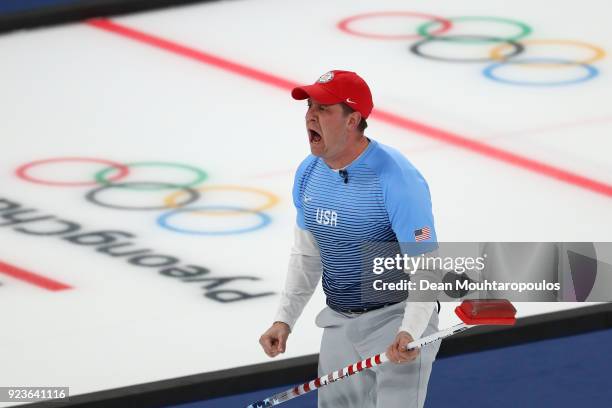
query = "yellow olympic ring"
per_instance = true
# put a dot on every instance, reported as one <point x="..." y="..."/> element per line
<point x="497" y="53"/>
<point x="272" y="200"/>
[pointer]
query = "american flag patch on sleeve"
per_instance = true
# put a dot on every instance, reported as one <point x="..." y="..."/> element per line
<point x="422" y="234"/>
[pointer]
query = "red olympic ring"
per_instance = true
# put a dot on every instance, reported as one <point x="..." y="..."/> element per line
<point x="343" y="25"/>
<point x="22" y="171"/>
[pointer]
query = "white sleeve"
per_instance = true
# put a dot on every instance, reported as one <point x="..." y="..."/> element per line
<point x="416" y="318"/>
<point x="303" y="276"/>
<point x="421" y="303"/>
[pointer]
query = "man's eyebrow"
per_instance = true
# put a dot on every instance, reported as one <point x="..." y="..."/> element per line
<point x="311" y="102"/>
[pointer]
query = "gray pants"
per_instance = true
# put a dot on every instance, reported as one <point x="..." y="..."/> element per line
<point x="351" y="338"/>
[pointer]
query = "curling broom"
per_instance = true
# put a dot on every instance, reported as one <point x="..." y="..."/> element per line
<point x="471" y="312"/>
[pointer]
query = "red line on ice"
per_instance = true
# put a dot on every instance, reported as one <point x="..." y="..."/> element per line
<point x="405" y="123"/>
<point x="32" y="278"/>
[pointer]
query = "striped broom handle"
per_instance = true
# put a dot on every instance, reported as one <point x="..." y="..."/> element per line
<point x="352" y="369"/>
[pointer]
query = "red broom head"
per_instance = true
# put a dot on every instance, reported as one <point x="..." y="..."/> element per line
<point x="493" y="311"/>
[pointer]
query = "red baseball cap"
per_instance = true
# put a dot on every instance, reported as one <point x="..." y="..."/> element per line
<point x="338" y="87"/>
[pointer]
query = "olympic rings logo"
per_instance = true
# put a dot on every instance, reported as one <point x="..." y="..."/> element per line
<point x="184" y="198"/>
<point x="505" y="52"/>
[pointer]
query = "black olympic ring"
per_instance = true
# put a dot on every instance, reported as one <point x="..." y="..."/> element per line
<point x="416" y="47"/>
<point x="193" y="195"/>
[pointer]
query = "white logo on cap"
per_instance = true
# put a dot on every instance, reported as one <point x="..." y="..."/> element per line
<point x="348" y="100"/>
<point x="326" y="77"/>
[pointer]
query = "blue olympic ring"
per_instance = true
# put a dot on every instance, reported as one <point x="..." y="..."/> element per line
<point x="591" y="72"/>
<point x="162" y="220"/>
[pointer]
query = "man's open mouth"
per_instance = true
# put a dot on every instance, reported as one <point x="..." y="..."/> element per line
<point x="314" y="136"/>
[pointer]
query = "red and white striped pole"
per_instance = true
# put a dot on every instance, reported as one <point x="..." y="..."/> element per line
<point x="352" y="369"/>
<point x="471" y="312"/>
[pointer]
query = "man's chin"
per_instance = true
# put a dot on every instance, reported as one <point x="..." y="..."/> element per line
<point x="316" y="150"/>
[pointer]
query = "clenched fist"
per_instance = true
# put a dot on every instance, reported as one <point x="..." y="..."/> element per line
<point x="397" y="352"/>
<point x="274" y="340"/>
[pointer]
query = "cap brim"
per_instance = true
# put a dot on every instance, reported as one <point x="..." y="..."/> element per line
<point x="316" y="92"/>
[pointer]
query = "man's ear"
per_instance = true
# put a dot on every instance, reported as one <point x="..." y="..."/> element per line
<point x="354" y="120"/>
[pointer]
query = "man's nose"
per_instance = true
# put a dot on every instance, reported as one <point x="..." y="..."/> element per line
<point x="311" y="115"/>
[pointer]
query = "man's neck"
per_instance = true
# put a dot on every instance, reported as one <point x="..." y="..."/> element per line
<point x="348" y="157"/>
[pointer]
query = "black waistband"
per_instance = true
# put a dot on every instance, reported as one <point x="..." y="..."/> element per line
<point x="369" y="309"/>
<point x="364" y="309"/>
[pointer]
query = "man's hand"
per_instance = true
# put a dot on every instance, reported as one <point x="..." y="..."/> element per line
<point x="397" y="352"/>
<point x="274" y="340"/>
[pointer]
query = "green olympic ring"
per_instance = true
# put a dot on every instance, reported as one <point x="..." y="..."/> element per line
<point x="200" y="175"/>
<point x="525" y="30"/>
